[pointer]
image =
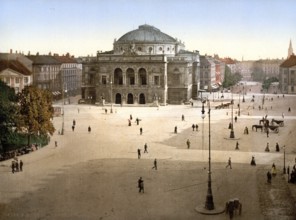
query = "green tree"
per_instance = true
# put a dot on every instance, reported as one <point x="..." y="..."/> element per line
<point x="8" y="113"/>
<point x="36" y="112"/>
<point x="230" y="79"/>
<point x="267" y="82"/>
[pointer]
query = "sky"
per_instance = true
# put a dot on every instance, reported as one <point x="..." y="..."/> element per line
<point x="240" y="29"/>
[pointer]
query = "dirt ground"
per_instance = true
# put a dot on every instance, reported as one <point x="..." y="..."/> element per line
<point x="94" y="175"/>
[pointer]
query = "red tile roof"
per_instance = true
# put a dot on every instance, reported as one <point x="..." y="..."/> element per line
<point x="14" y="65"/>
<point x="289" y="62"/>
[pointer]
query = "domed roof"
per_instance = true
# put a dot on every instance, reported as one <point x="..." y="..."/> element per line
<point x="146" y="33"/>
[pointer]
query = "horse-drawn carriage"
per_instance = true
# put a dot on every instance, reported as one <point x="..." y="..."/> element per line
<point x="278" y="122"/>
<point x="274" y="128"/>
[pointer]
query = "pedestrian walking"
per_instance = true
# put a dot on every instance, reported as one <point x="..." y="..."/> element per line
<point x="137" y="120"/>
<point x="235" y="119"/>
<point x="273" y="170"/>
<point x="277" y="147"/>
<point x="267" y="147"/>
<point x="129" y="122"/>
<point x="246" y="131"/>
<point x="236" y="146"/>
<point x="139" y="153"/>
<point x="131" y="117"/>
<point x="176" y="130"/>
<point x="106" y="111"/>
<point x="74" y="122"/>
<point x="16" y="166"/>
<point x="141" y="131"/>
<point x="145" y="148"/>
<point x="253" y="162"/>
<point x="267" y="131"/>
<point x="188" y="143"/>
<point x="196" y="127"/>
<point x="289" y="110"/>
<point x="193" y="127"/>
<point x="183" y="118"/>
<point x="55" y="143"/>
<point x="269" y="177"/>
<point x="89" y="129"/>
<point x="155" y="164"/>
<point x="73" y="127"/>
<point x="141" y="185"/>
<point x="12" y="166"/>
<point x="21" y="165"/>
<point x="229" y="163"/>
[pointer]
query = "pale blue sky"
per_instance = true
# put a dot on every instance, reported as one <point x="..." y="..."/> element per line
<point x="252" y="29"/>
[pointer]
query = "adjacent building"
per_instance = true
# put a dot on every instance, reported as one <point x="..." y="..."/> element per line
<point x="15" y="70"/>
<point x="287" y="75"/>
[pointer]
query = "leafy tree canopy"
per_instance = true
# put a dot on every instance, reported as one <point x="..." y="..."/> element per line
<point x="230" y="79"/>
<point x="8" y="111"/>
<point x="267" y="82"/>
<point x="36" y="111"/>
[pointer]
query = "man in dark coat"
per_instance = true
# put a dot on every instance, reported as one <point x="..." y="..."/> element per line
<point x="141" y="185"/>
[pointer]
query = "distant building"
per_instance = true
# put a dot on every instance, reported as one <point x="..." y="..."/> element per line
<point x="57" y="74"/>
<point x="208" y="73"/>
<point x="46" y="73"/>
<point x="288" y="75"/>
<point x="70" y="73"/>
<point x="15" y="70"/>
<point x="146" y="66"/>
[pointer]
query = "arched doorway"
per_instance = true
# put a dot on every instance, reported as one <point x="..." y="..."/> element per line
<point x="130" y="99"/>
<point x="118" y="98"/>
<point x="142" y="99"/>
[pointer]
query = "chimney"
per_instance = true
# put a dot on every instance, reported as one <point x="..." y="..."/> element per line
<point x="28" y="53"/>
<point x="10" y="51"/>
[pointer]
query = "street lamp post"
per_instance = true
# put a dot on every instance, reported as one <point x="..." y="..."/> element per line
<point x="63" y="118"/>
<point x="111" y="110"/>
<point x="209" y="204"/>
<point x="284" y="170"/>
<point x="232" y="131"/>
<point x="239" y="103"/>
<point x="243" y="93"/>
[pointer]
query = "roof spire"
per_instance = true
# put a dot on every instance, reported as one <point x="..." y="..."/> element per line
<point x="290" y="50"/>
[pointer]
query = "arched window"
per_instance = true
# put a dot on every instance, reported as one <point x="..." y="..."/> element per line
<point x="118" y="78"/>
<point x="142" y="76"/>
<point x="130" y="75"/>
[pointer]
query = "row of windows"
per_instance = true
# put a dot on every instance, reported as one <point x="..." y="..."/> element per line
<point x="131" y="80"/>
<point x="14" y="80"/>
<point x="149" y="49"/>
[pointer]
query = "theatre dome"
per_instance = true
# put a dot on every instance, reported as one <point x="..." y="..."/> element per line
<point x="146" y="33"/>
<point x="147" y="40"/>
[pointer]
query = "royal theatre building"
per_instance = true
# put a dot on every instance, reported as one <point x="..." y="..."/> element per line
<point x="146" y="67"/>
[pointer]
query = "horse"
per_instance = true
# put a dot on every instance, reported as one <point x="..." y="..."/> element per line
<point x="257" y="126"/>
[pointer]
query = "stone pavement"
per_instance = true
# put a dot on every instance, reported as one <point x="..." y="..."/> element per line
<point x="93" y="175"/>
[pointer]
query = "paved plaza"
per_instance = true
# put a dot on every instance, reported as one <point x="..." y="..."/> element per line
<point x="93" y="175"/>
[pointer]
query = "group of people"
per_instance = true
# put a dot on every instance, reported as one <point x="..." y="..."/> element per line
<point x="140" y="180"/>
<point x="277" y="147"/>
<point x="16" y="166"/>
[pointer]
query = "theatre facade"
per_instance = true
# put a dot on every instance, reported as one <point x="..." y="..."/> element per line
<point x="146" y="67"/>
